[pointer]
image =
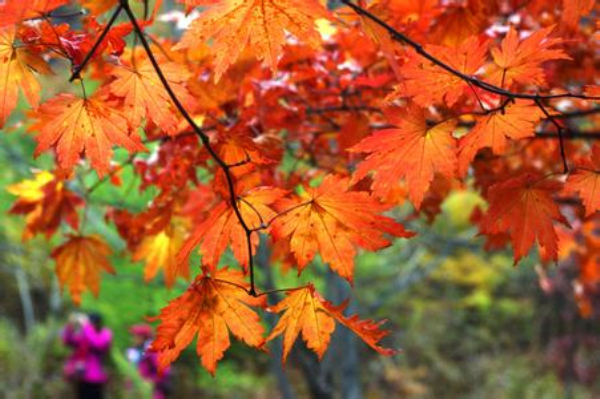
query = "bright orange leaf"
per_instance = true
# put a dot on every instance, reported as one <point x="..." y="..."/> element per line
<point x="79" y="262"/>
<point x="520" y="61"/>
<point x="145" y="96"/>
<point x="262" y="24"/>
<point x="13" y="11"/>
<point x="412" y="150"/>
<point x="212" y="306"/>
<point x="333" y="220"/>
<point x="524" y="207"/>
<point x="306" y="312"/>
<point x="516" y="121"/>
<point x="76" y="125"/>
<point x="428" y="83"/>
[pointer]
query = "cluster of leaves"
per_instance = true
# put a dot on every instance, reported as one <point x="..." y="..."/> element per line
<point x="311" y="123"/>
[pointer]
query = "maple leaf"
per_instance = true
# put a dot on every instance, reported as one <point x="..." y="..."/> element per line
<point x="145" y="96"/>
<point x="13" y="11"/>
<point x="412" y="150"/>
<point x="79" y="262"/>
<point x="306" y="312"/>
<point x="459" y="21"/>
<point x="234" y="24"/>
<point x="585" y="180"/>
<point x="222" y="227"/>
<point x="16" y="73"/>
<point x="236" y="145"/>
<point x="76" y="125"/>
<point x="573" y="10"/>
<point x="428" y="83"/>
<point x="212" y="306"/>
<point x="46" y="202"/>
<point x="160" y="251"/>
<point x="524" y="207"/>
<point x="515" y="121"/>
<point x="333" y="220"/>
<point x="520" y="61"/>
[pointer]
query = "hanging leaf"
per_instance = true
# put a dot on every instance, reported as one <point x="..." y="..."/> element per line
<point x="212" y="307"/>
<point x="79" y="262"/>
<point x="334" y="220"/>
<point x="75" y="126"/>
<point x="305" y="312"/>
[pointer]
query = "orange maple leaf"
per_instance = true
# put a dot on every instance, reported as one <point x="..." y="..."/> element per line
<point x="13" y="11"/>
<point x="76" y="125"/>
<point x="585" y="180"/>
<point x="334" y="220"/>
<point x="427" y="83"/>
<point x="79" y="262"/>
<point x="159" y="251"/>
<point x="222" y="227"/>
<point x="573" y="10"/>
<point x="262" y="24"/>
<point x="212" y="306"/>
<point x="524" y="207"/>
<point x="145" y="97"/>
<point x="46" y="202"/>
<point x="519" y="61"/>
<point x="306" y="312"/>
<point x="515" y="121"/>
<point x="412" y="150"/>
<point x="16" y="73"/>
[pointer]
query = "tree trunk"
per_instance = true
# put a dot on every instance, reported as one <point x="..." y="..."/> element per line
<point x="276" y="347"/>
<point x="26" y="301"/>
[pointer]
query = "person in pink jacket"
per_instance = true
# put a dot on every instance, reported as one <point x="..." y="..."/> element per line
<point x="147" y="362"/>
<point x="90" y="342"/>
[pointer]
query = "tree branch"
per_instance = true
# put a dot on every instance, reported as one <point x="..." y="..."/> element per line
<point x="400" y="37"/>
<point x="200" y="133"/>
<point x="77" y="70"/>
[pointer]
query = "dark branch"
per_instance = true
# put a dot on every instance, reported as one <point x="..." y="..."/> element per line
<point x="77" y="70"/>
<point x="203" y="137"/>
<point x="400" y="37"/>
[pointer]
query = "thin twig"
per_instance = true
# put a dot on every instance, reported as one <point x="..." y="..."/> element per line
<point x="400" y="37"/>
<point x="559" y="130"/>
<point x="124" y="4"/>
<point x="77" y="70"/>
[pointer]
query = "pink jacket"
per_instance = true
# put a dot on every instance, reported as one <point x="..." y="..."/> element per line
<point x="148" y="368"/>
<point x="89" y="347"/>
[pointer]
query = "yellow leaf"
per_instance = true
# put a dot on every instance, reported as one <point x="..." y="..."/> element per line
<point x="159" y="251"/>
<point x="16" y="73"/>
